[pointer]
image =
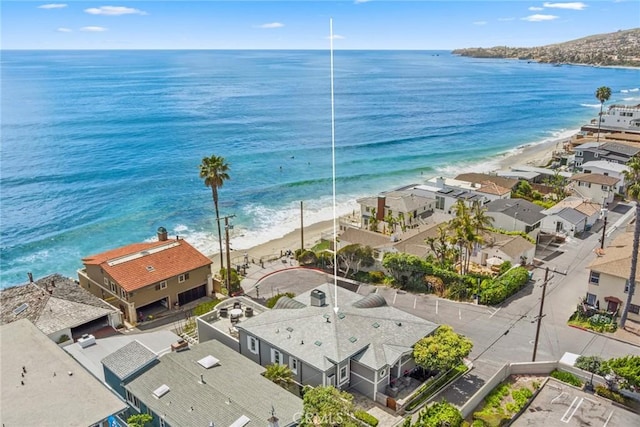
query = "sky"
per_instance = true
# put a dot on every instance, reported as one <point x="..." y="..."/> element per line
<point x="302" y="24"/>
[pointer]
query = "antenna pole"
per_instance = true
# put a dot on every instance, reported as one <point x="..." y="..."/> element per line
<point x="333" y="165"/>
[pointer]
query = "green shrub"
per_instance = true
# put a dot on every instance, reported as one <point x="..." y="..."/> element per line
<point x="504" y="267"/>
<point x="478" y="423"/>
<point x="366" y="417"/>
<point x="274" y="299"/>
<point x="566" y="377"/>
<point x="63" y="338"/>
<point x="610" y="394"/>
<point x="376" y="276"/>
<point x="590" y="364"/>
<point x="494" y="291"/>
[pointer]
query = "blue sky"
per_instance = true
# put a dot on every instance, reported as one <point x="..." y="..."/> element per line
<point x="301" y="24"/>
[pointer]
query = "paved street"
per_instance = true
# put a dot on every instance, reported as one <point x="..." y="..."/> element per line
<point x="500" y="334"/>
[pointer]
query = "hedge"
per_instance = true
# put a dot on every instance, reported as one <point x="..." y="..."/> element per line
<point x="494" y="291"/>
<point x="366" y="417"/>
<point x="566" y="377"/>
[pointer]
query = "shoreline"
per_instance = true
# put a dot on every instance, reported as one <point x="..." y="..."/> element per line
<point x="535" y="154"/>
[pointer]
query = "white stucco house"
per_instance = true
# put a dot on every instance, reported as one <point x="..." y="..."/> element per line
<point x="597" y="187"/>
<point x="615" y="170"/>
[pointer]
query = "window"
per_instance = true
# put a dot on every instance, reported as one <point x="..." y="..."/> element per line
<point x="162" y="423"/>
<point x="183" y="277"/>
<point x="591" y="299"/>
<point x="367" y="209"/>
<point x="161" y="285"/>
<point x="253" y="345"/>
<point x="626" y="286"/>
<point x="131" y="398"/>
<point x="276" y="356"/>
<point x="382" y="372"/>
<point x="106" y="281"/>
<point x="594" y="278"/>
<point x="578" y="153"/>
<point x="439" y="202"/>
<point x="112" y="286"/>
<point x="343" y="373"/>
<point x="635" y="309"/>
<point x="605" y="188"/>
<point x="123" y="293"/>
<point x="293" y="365"/>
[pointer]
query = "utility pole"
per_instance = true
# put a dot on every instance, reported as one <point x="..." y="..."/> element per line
<point x="540" y="315"/>
<point x="604" y="228"/>
<point x="301" y="228"/>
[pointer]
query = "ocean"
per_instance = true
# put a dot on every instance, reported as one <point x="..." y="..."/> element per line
<point x="100" y="148"/>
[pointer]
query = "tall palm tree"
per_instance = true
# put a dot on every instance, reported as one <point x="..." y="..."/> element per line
<point x="632" y="181"/>
<point x="603" y="93"/>
<point x="214" y="171"/>
<point x="463" y="232"/>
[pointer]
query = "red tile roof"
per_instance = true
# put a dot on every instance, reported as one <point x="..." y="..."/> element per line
<point x="142" y="264"/>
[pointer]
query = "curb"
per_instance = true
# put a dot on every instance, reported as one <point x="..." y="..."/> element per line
<point x="604" y="336"/>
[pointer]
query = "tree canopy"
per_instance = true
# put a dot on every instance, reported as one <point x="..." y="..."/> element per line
<point x="327" y="407"/>
<point x="627" y="368"/>
<point x="443" y="350"/>
<point x="437" y="415"/>
<point x="354" y="257"/>
<point x="279" y="374"/>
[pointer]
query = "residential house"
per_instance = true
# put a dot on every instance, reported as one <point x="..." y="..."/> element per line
<point x="43" y="386"/>
<point x="565" y="220"/>
<point x="59" y="307"/>
<point x="352" y="342"/>
<point x="207" y="384"/>
<point x="380" y="243"/>
<point x="594" y="186"/>
<point x="609" y="278"/>
<point x="406" y="204"/>
<point x="535" y="174"/>
<point x="593" y="211"/>
<point x="482" y="178"/>
<point x="617" y="118"/>
<point x="448" y="191"/>
<point x="148" y="276"/>
<point x="610" y="151"/>
<point x="515" y="215"/>
<point x="612" y="169"/>
<point x="515" y="249"/>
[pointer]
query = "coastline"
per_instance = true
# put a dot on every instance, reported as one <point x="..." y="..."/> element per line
<point x="535" y="154"/>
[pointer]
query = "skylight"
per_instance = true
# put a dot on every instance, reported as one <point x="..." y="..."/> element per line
<point x="161" y="391"/>
<point x="208" y="362"/>
<point x="376" y="325"/>
<point x="353" y="339"/>
<point x="150" y="268"/>
<point x="318" y="343"/>
<point x="341" y="315"/>
<point x="290" y="329"/>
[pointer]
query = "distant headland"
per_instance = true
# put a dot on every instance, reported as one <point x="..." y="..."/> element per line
<point x="620" y="49"/>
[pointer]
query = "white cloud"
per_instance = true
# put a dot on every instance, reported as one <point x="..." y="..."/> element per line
<point x="572" y="5"/>
<point x="114" y="11"/>
<point x="52" y="6"/>
<point x="539" y="18"/>
<point x="480" y="23"/>
<point x="536" y="8"/>
<point x="63" y="30"/>
<point x="93" y="29"/>
<point x="336" y="37"/>
<point x="271" y="25"/>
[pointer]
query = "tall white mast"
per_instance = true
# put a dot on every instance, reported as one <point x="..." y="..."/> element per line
<point x="333" y="165"/>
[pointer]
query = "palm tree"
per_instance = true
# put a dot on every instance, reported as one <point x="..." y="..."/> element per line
<point x="603" y="94"/>
<point x="214" y="172"/>
<point x="632" y="181"/>
<point x="463" y="231"/>
<point x="373" y="221"/>
<point x="279" y="374"/>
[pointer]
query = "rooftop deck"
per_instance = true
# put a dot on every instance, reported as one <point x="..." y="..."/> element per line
<point x="231" y="312"/>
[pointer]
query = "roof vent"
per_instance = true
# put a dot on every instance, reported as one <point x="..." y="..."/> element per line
<point x="19" y="309"/>
<point x="150" y="268"/>
<point x="161" y="391"/>
<point x="317" y="298"/>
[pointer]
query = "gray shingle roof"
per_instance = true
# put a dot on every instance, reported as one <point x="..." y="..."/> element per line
<point x="53" y="303"/>
<point x="129" y="359"/>
<point x="521" y="209"/>
<point x="320" y="337"/>
<point x="233" y="388"/>
<point x="571" y="215"/>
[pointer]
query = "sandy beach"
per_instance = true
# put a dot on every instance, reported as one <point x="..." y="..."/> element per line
<point x="533" y="155"/>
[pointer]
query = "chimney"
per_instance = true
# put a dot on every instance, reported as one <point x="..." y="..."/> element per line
<point x="440" y="182"/>
<point x="380" y="209"/>
<point x="162" y="234"/>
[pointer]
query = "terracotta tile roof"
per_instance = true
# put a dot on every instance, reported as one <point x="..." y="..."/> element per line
<point x="595" y="178"/>
<point x="142" y="264"/>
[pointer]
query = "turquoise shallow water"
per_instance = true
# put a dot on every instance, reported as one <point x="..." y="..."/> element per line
<point x="100" y="148"/>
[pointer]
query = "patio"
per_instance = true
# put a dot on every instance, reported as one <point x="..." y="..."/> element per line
<point x="231" y="312"/>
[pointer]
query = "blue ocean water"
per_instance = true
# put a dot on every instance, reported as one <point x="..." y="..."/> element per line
<point x="100" y="148"/>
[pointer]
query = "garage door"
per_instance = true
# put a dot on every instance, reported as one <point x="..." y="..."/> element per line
<point x="192" y="294"/>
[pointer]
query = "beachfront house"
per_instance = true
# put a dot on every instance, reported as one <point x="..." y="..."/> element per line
<point x="610" y="151"/>
<point x="515" y="215"/>
<point x="617" y="118"/>
<point x="58" y="307"/>
<point x="380" y="243"/>
<point x="145" y="278"/>
<point x="42" y="385"/>
<point x="515" y="249"/>
<point x="612" y="169"/>
<point x="207" y="384"/>
<point x="485" y="178"/>
<point x="365" y="345"/>
<point x="594" y="186"/>
<point x="406" y="205"/>
<point x="607" y="287"/>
